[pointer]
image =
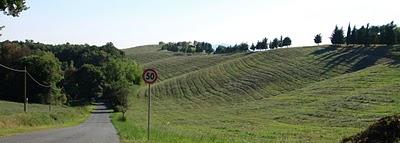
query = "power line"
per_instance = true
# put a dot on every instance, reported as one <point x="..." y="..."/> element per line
<point x="16" y="70"/>
<point x="48" y="86"/>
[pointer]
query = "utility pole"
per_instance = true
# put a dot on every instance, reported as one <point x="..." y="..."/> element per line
<point x="25" y="90"/>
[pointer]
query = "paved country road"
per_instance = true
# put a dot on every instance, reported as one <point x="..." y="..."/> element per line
<point x="97" y="129"/>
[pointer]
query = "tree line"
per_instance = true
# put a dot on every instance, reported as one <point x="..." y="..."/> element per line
<point x="75" y="72"/>
<point x="388" y="34"/>
<point x="188" y="47"/>
<point x="260" y="45"/>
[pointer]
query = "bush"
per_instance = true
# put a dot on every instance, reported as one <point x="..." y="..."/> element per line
<point x="385" y="130"/>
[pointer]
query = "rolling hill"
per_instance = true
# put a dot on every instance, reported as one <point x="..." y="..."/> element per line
<point x="304" y="94"/>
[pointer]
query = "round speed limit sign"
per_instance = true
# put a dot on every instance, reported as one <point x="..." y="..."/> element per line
<point x="149" y="76"/>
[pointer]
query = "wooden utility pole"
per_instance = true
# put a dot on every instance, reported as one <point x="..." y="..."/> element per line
<point x="25" y="90"/>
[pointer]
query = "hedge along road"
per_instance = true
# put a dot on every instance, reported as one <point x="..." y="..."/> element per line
<point x="97" y="129"/>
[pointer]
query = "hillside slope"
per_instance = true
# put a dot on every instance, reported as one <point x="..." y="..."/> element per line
<point x="309" y="94"/>
<point x="147" y="53"/>
<point x="259" y="75"/>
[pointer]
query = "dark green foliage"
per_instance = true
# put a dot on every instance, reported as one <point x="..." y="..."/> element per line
<point x="286" y="42"/>
<point x="220" y="49"/>
<point x="318" y="39"/>
<point x="119" y="93"/>
<point x="85" y="83"/>
<point x="120" y="75"/>
<point x="82" y="72"/>
<point x="252" y="47"/>
<point x="386" y="34"/>
<point x="353" y="36"/>
<point x="337" y="36"/>
<point x="13" y="7"/>
<point x="243" y="47"/>
<point x="262" y="45"/>
<point x="86" y="54"/>
<point x="389" y="34"/>
<point x="280" y="42"/>
<point x="189" y="47"/>
<point x="274" y="44"/>
<point x="348" y="35"/>
<point x="45" y="67"/>
<point x="385" y="130"/>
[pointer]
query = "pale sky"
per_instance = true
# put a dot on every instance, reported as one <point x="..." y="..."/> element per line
<point x="129" y="23"/>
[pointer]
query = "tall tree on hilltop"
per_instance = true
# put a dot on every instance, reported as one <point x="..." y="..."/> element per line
<point x="280" y="43"/>
<point x="318" y="39"/>
<point x="264" y="43"/>
<point x="374" y="35"/>
<point x="274" y="44"/>
<point x="337" y="36"/>
<point x="348" y="36"/>
<point x="367" y="38"/>
<point x="353" y="37"/>
<point x="287" y="42"/>
<point x="252" y="47"/>
<point x="388" y="34"/>
<point x="360" y="35"/>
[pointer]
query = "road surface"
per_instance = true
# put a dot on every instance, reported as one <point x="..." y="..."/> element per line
<point x="97" y="129"/>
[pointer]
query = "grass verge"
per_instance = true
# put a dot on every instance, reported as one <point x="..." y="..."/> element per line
<point x="13" y="120"/>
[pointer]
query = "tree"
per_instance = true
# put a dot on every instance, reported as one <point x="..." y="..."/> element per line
<point x="46" y="69"/>
<point x="252" y="47"/>
<point x="243" y="47"/>
<point x="348" y="35"/>
<point x="119" y="94"/>
<point x="318" y="39"/>
<point x="374" y="34"/>
<point x="274" y="44"/>
<point x="367" y="37"/>
<point x="389" y="34"/>
<point x="337" y="36"/>
<point x="353" y="36"/>
<point x="13" y="7"/>
<point x="280" y="42"/>
<point x="85" y="83"/>
<point x="361" y="34"/>
<point x="220" y="49"/>
<point x="286" y="42"/>
<point x="264" y="44"/>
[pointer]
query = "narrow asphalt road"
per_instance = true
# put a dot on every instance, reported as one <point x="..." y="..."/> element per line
<point x="97" y="129"/>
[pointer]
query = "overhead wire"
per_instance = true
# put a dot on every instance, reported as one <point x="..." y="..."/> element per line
<point x="26" y="71"/>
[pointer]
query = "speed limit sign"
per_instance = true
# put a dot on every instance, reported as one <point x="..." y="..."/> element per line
<point x="150" y="76"/>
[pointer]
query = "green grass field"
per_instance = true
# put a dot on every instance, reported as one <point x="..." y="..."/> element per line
<point x="13" y="119"/>
<point x="305" y="94"/>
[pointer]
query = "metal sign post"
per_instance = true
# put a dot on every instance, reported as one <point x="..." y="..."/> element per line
<point x="149" y="76"/>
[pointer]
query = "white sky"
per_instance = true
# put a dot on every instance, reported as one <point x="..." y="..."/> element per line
<point x="129" y="23"/>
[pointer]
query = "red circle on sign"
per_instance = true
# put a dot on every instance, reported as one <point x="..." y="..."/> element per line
<point x="150" y="76"/>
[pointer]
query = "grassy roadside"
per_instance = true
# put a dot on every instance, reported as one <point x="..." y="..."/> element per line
<point x="13" y="120"/>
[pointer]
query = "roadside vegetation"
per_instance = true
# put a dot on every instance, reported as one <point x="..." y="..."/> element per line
<point x="13" y="120"/>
